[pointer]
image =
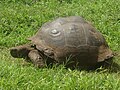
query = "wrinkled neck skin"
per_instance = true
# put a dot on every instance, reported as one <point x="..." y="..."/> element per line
<point x="23" y="51"/>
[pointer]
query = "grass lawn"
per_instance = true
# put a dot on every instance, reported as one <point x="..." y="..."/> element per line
<point x="20" y="19"/>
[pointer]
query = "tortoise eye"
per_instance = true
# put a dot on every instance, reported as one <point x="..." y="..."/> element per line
<point x="55" y="32"/>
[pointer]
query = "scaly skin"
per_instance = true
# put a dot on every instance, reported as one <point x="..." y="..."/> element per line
<point x="21" y="51"/>
<point x="28" y="52"/>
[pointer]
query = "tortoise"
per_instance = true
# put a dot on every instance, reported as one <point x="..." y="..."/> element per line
<point x="71" y="40"/>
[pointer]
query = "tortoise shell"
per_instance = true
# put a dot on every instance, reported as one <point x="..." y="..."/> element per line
<point x="72" y="37"/>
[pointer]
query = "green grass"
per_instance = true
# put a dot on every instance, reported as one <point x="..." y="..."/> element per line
<point x="20" y="19"/>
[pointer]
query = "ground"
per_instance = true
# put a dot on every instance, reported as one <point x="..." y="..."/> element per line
<point x="20" y="19"/>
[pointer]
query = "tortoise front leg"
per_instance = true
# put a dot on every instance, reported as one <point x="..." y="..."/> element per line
<point x="36" y="58"/>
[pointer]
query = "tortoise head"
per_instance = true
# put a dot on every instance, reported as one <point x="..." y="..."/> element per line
<point x="20" y="51"/>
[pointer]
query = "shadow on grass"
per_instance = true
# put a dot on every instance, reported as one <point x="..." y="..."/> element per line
<point x="107" y="66"/>
<point x="111" y="68"/>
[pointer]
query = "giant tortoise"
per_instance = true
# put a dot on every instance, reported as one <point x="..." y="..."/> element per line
<point x="71" y="41"/>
